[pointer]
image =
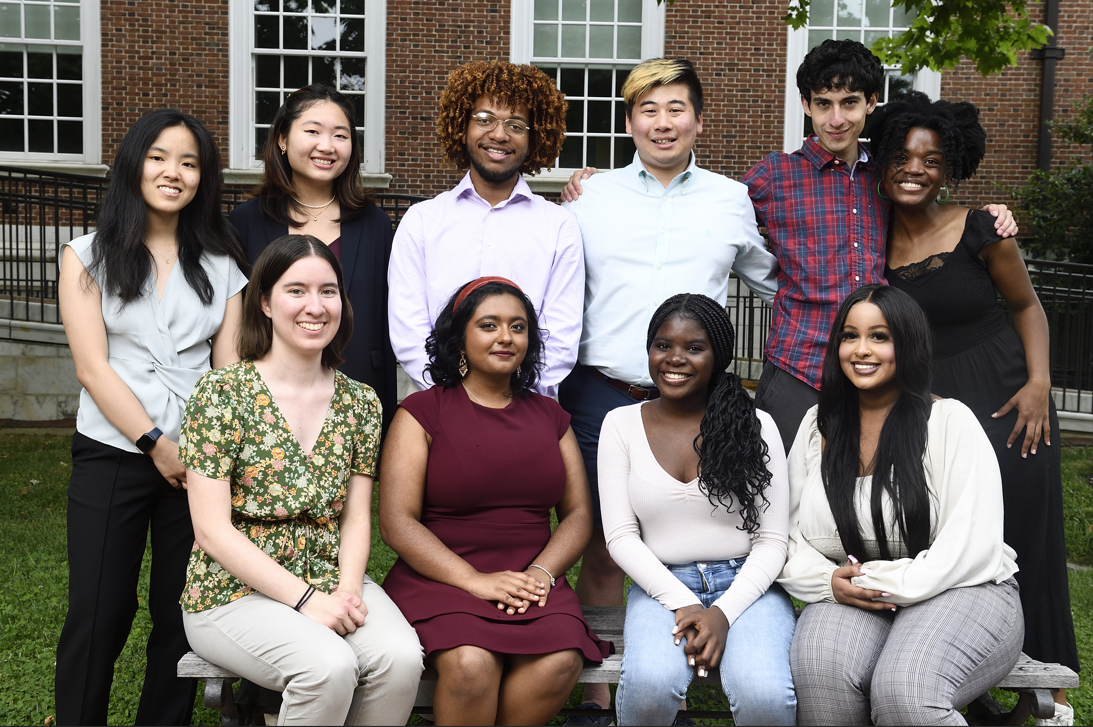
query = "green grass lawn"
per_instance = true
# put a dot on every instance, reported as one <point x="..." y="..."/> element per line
<point x="34" y="471"/>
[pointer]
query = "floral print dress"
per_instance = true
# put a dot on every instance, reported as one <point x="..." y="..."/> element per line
<point x="284" y="500"/>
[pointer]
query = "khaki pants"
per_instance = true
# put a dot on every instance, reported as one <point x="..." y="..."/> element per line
<point x="368" y="677"/>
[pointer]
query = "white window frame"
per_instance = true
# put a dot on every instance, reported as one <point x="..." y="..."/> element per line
<point x="925" y="80"/>
<point x="244" y="168"/>
<point x="90" y="161"/>
<point x="522" y="30"/>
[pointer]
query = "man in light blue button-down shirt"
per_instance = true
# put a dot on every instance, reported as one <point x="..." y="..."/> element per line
<point x="655" y="228"/>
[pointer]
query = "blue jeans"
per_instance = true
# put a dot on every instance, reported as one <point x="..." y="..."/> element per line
<point x="754" y="668"/>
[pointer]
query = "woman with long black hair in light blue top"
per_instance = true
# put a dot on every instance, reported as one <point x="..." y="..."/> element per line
<point x="142" y="333"/>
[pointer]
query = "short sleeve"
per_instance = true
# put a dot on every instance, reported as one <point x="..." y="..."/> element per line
<point x="366" y="433"/>
<point x="212" y="433"/>
<point x="561" y="417"/>
<point x="236" y="280"/>
<point x="979" y="231"/>
<point x="424" y="407"/>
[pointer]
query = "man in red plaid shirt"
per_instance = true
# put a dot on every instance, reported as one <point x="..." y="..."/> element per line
<point x="826" y="221"/>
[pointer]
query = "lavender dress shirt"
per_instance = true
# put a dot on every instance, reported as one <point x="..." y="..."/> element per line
<point x="457" y="237"/>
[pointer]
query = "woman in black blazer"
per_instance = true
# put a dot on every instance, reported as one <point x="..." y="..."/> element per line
<point x="312" y="186"/>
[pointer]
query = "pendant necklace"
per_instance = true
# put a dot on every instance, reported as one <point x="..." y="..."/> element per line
<point x="320" y="207"/>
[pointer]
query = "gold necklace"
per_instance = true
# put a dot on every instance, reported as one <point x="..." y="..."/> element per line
<point x="166" y="259"/>
<point x="320" y="207"/>
<point x="471" y="393"/>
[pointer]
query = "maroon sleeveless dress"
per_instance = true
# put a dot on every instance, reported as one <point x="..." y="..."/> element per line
<point x="492" y="479"/>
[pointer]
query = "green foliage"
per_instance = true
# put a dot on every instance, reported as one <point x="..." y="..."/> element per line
<point x="1057" y="206"/>
<point x="988" y="32"/>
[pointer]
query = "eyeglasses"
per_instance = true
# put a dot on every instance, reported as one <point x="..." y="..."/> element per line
<point x="486" y="121"/>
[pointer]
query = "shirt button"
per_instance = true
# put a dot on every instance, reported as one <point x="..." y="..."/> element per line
<point x="658" y="267"/>
<point x="856" y="278"/>
<point x="855" y="210"/>
<point x="855" y="244"/>
<point x="836" y="161"/>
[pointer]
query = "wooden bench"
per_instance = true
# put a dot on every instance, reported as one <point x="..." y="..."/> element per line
<point x="1032" y="680"/>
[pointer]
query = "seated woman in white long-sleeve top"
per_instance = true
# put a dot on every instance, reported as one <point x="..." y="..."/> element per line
<point x="694" y="497"/>
<point x="895" y="534"/>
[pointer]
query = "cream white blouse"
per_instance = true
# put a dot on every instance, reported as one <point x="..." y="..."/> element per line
<point x="159" y="347"/>
<point x="966" y="546"/>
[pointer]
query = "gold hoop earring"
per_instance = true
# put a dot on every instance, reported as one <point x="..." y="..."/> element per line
<point x="462" y="364"/>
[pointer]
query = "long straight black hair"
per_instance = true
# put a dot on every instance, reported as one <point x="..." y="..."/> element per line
<point x="732" y="454"/>
<point x="897" y="468"/>
<point x="118" y="255"/>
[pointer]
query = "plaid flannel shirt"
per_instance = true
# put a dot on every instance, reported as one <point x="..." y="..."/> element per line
<point x="827" y="227"/>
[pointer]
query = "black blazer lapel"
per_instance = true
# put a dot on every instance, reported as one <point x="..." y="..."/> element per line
<point x="272" y="229"/>
<point x="351" y="244"/>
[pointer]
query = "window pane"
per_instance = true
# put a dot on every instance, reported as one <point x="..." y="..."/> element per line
<point x="11" y="60"/>
<point x="69" y="99"/>
<point x="621" y="74"/>
<point x="325" y="6"/>
<point x="573" y="81"/>
<point x="573" y="41"/>
<point x="295" y="31"/>
<point x="39" y="64"/>
<point x="70" y="137"/>
<point x="266" y="6"/>
<point x="872" y="35"/>
<point x="821" y="13"/>
<point x="546" y="40"/>
<point x="324" y="33"/>
<point x="11" y="132"/>
<point x="41" y="136"/>
<point x="265" y="32"/>
<point x="546" y="9"/>
<point x="70" y="63"/>
<point x="260" y="136"/>
<point x="296" y="6"/>
<point x="849" y="13"/>
<point x="898" y="86"/>
<point x="599" y="117"/>
<point x="574" y="9"/>
<point x="353" y="35"/>
<point x="902" y="18"/>
<point x="66" y="22"/>
<point x="848" y="35"/>
<point x="295" y="72"/>
<point x="816" y="37"/>
<point x="600" y="40"/>
<point x="267" y="71"/>
<point x="572" y="156"/>
<point x="9" y="28"/>
<point x="11" y="98"/>
<point x="624" y="151"/>
<point x="352" y="7"/>
<point x="352" y="78"/>
<point x="599" y="82"/>
<point x="357" y="101"/>
<point x="40" y="99"/>
<point x="620" y="117"/>
<point x="37" y="17"/>
<point x="574" y="116"/>
<point x="599" y="152"/>
<point x="629" y="12"/>
<point x="630" y="42"/>
<point x="322" y="71"/>
<point x="266" y="104"/>
<point x="876" y="13"/>
<point x="602" y="11"/>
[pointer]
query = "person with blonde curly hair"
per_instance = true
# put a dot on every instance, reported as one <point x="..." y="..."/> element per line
<point x="497" y="120"/>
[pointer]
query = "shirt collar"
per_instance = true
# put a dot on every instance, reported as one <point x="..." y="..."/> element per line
<point x="465" y="188"/>
<point x="644" y="175"/>
<point x="820" y="157"/>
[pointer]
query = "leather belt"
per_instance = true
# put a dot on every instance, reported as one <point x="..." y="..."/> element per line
<point x="635" y="392"/>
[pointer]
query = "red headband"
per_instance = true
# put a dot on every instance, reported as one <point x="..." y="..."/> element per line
<point x="476" y="284"/>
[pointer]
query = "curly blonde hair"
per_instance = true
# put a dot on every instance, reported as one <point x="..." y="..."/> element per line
<point x="510" y="85"/>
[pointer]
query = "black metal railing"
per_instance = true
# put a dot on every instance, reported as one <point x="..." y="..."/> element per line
<point x="41" y="210"/>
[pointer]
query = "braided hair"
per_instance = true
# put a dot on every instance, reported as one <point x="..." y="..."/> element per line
<point x="732" y="453"/>
<point x="963" y="141"/>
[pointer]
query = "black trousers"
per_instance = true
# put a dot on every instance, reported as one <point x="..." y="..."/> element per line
<point x="786" y="398"/>
<point x="113" y="498"/>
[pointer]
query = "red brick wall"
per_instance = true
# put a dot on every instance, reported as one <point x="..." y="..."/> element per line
<point x="426" y="39"/>
<point x="160" y="54"/>
<point x="739" y="51"/>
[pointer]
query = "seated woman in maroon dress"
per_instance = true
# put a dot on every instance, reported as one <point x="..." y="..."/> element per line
<point x="471" y="470"/>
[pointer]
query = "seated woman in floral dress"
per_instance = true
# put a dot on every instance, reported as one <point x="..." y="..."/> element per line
<point x="280" y="451"/>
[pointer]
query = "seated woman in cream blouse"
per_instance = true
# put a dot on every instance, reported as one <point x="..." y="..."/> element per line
<point x="895" y="534"/>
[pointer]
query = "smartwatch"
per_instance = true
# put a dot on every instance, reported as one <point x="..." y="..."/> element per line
<point x="147" y="441"/>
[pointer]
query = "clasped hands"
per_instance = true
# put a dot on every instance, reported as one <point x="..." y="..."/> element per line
<point x="342" y="611"/>
<point x="705" y="631"/>
<point x="514" y="592"/>
<point x="846" y="592"/>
